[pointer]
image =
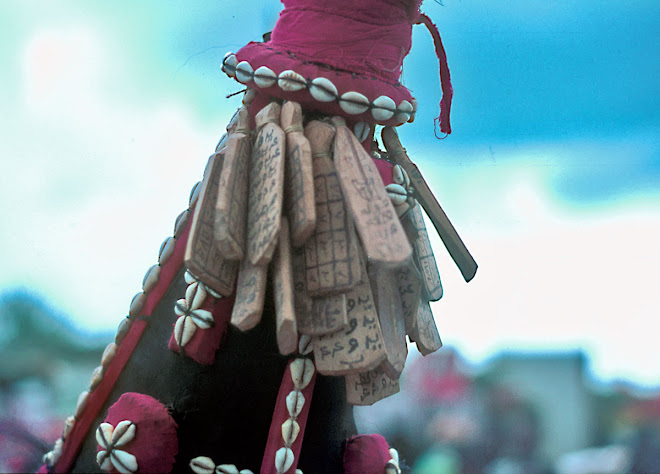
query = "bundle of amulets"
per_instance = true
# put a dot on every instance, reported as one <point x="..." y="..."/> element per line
<point x="292" y="284"/>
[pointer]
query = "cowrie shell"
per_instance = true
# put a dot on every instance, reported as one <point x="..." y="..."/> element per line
<point x="137" y="303"/>
<point x="166" y="250"/>
<point x="212" y="292"/>
<point x="97" y="376"/>
<point x="189" y="278"/>
<point x="103" y="460"/>
<point x="229" y="64"/>
<point x="354" y="103"/>
<point x="249" y="96"/>
<point x="361" y="130"/>
<point x="184" y="329"/>
<point x="323" y="90"/>
<point x="414" y="110"/>
<point x="181" y="307"/>
<point x="124" y="433"/>
<point x="194" y="195"/>
<point x="180" y="223"/>
<point x="122" y="330"/>
<point x="383" y="108"/>
<point x="404" y="112"/>
<point x="82" y="401"/>
<point x="264" y="77"/>
<point x="202" y="318"/>
<point x="226" y="469"/>
<point x="57" y="450"/>
<point x="302" y="371"/>
<point x="108" y="354"/>
<point x="195" y="295"/>
<point x="124" y="462"/>
<point x="245" y="471"/>
<point x="396" y="188"/>
<point x="294" y="403"/>
<point x="244" y="72"/>
<point x="104" y="435"/>
<point x="283" y="460"/>
<point x="68" y="425"/>
<point x="291" y="81"/>
<point x="305" y="344"/>
<point x="402" y="209"/>
<point x="202" y="465"/>
<point x="397" y="175"/>
<point x="394" y="454"/>
<point x="290" y="431"/>
<point x="151" y="278"/>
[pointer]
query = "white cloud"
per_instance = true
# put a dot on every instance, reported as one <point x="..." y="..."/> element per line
<point x="97" y="181"/>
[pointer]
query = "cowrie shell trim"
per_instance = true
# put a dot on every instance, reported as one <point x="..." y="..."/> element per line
<point x="383" y="108"/>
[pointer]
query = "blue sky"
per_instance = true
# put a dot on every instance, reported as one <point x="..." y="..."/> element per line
<point x="552" y="174"/>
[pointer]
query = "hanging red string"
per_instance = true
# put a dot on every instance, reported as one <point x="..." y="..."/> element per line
<point x="445" y="79"/>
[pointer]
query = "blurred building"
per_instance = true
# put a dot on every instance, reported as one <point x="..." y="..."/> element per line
<point x="557" y="386"/>
<point x="45" y="363"/>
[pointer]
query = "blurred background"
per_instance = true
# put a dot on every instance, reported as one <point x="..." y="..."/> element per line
<point x="552" y="178"/>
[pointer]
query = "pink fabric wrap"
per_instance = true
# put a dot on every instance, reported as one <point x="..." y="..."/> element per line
<point x="366" y="454"/>
<point x="347" y="35"/>
<point x="155" y="444"/>
<point x="359" y="45"/>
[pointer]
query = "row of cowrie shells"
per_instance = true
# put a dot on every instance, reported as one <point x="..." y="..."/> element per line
<point x="109" y="458"/>
<point x="205" y="465"/>
<point x="321" y="89"/>
<point x="136" y="306"/>
<point x="302" y="371"/>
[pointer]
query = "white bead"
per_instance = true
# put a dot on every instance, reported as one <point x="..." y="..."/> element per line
<point x="323" y="90"/>
<point x="244" y="72"/>
<point x="383" y="108"/>
<point x="354" y="103"/>
<point x="291" y="81"/>
<point x="264" y="77"/>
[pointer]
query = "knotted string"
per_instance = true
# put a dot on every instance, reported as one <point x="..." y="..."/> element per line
<point x="445" y="79"/>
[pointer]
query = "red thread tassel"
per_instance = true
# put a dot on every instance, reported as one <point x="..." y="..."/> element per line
<point x="445" y="79"/>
